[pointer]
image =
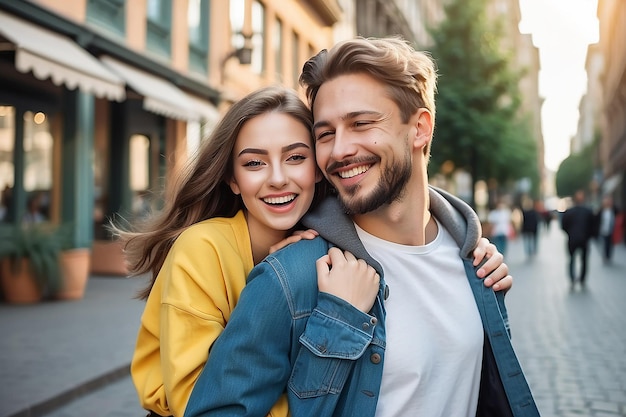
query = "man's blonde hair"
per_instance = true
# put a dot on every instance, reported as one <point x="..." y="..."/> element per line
<point x="409" y="75"/>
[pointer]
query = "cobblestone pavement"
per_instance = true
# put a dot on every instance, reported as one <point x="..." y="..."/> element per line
<point x="571" y="341"/>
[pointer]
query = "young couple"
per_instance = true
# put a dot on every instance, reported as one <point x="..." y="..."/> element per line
<point x="318" y="323"/>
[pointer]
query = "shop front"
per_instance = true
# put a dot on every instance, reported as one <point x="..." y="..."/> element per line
<point x="86" y="138"/>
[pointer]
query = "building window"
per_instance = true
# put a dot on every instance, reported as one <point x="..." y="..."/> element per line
<point x="108" y="14"/>
<point x="295" y="59"/>
<point x="237" y="10"/>
<point x="38" y="143"/>
<point x="258" y="37"/>
<point x="140" y="174"/>
<point x="256" y="32"/>
<point x="7" y="168"/>
<point x="198" y="22"/>
<point x="34" y="162"/>
<point x="278" y="50"/>
<point x="159" y="39"/>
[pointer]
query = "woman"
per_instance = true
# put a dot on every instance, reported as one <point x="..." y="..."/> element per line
<point x="241" y="198"/>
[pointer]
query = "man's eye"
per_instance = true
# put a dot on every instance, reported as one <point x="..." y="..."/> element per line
<point x="323" y="135"/>
<point x="361" y="123"/>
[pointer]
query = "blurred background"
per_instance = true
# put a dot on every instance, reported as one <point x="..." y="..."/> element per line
<point x="103" y="101"/>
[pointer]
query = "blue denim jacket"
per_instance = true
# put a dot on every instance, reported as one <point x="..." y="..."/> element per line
<point x="328" y="355"/>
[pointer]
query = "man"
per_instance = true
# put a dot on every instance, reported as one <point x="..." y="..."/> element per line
<point x="606" y="226"/>
<point x="530" y="224"/>
<point x="578" y="223"/>
<point x="435" y="342"/>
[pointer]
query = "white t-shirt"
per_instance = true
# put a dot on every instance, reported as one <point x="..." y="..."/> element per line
<point x="500" y="219"/>
<point x="434" y="333"/>
<point x="606" y="222"/>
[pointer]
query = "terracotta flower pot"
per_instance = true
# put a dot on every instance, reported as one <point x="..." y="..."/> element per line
<point x="18" y="283"/>
<point x="75" y="272"/>
<point x="107" y="258"/>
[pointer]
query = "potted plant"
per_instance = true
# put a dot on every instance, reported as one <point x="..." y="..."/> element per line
<point x="29" y="261"/>
<point x="74" y="273"/>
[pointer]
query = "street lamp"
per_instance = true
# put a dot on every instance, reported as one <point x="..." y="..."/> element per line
<point x="243" y="54"/>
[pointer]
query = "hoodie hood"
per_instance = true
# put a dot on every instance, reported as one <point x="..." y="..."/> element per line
<point x="334" y="225"/>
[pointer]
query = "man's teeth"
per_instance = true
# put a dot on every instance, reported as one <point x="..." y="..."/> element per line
<point x="354" y="171"/>
<point x="280" y="200"/>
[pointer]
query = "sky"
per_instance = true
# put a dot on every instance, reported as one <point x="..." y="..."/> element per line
<point x="562" y="30"/>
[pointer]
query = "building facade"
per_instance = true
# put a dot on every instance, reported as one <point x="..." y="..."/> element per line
<point x="612" y="121"/>
<point x="102" y="101"/>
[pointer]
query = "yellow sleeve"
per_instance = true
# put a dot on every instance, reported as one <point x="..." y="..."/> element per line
<point x="196" y="290"/>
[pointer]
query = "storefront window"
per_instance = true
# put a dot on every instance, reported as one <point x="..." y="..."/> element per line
<point x="38" y="143"/>
<point x="140" y="174"/>
<point x="7" y="135"/>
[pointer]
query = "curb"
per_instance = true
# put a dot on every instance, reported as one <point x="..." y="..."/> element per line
<point x="64" y="398"/>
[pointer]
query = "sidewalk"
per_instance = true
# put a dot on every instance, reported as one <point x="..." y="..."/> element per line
<point x="55" y="352"/>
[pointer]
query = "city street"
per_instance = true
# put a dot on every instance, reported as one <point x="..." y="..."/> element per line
<point x="571" y="342"/>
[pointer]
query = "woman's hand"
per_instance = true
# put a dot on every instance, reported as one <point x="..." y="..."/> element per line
<point x="297" y="236"/>
<point x="353" y="280"/>
<point x="494" y="270"/>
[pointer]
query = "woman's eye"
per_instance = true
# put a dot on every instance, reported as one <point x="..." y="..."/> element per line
<point x="254" y="163"/>
<point x="296" y="158"/>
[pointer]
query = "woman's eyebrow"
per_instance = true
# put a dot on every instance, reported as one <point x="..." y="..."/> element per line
<point x="287" y="148"/>
<point x="253" y="151"/>
<point x="295" y="146"/>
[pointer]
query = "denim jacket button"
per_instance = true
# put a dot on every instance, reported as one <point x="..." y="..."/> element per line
<point x="365" y="326"/>
<point x="373" y="321"/>
<point x="375" y="358"/>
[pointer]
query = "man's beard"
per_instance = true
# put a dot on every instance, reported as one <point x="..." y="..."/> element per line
<point x="390" y="187"/>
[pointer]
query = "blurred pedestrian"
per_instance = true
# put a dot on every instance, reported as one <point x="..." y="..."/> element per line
<point x="606" y="227"/>
<point x="547" y="216"/>
<point x="35" y="209"/>
<point x="500" y="225"/>
<point x="530" y="223"/>
<point x="578" y="223"/>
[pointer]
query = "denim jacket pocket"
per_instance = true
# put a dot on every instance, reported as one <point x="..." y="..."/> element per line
<point x="328" y="350"/>
<point x="314" y="376"/>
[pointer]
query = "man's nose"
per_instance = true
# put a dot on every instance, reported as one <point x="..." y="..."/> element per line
<point x="344" y="145"/>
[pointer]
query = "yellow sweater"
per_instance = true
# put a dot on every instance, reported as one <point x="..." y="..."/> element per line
<point x="188" y="307"/>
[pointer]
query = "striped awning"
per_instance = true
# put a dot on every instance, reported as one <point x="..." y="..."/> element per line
<point x="49" y="55"/>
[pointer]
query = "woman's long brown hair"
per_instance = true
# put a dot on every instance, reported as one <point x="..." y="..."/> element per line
<point x="201" y="191"/>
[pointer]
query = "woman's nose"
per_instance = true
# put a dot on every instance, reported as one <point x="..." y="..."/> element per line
<point x="278" y="177"/>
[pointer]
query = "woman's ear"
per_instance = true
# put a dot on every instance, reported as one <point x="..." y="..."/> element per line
<point x="234" y="187"/>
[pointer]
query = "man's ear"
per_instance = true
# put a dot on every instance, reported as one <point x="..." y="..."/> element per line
<point x="422" y="122"/>
<point x="318" y="175"/>
<point x="234" y="187"/>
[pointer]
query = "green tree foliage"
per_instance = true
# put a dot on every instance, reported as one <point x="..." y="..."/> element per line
<point x="575" y="172"/>
<point x="479" y="126"/>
